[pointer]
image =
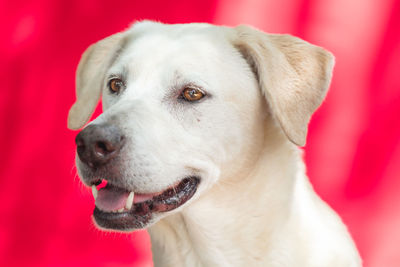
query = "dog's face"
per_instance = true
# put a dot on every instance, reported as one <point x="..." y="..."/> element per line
<point x="184" y="107"/>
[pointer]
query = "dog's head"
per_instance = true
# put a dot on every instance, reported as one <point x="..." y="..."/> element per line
<point x="184" y="107"/>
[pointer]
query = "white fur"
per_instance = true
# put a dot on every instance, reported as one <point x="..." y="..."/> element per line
<point x="254" y="205"/>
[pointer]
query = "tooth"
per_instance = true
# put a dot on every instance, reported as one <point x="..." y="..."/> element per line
<point x="129" y="201"/>
<point x="94" y="192"/>
<point x="121" y="210"/>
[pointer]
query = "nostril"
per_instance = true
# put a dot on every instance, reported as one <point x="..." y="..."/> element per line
<point x="80" y="144"/>
<point x="79" y="141"/>
<point x="80" y="149"/>
<point x="102" y="148"/>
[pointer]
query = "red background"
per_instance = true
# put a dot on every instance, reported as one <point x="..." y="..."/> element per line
<point x="353" y="149"/>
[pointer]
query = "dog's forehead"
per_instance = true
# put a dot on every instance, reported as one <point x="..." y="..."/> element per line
<point x="175" y="45"/>
<point x="167" y="34"/>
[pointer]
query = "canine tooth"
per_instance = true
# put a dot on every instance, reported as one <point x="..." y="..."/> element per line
<point x="121" y="210"/>
<point x="129" y="201"/>
<point x="94" y="191"/>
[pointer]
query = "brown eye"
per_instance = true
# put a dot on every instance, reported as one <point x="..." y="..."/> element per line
<point x="192" y="94"/>
<point x="115" y="85"/>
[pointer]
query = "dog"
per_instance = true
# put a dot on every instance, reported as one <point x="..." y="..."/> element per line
<point x="199" y="143"/>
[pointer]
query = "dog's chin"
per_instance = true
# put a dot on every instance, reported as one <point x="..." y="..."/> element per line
<point x="145" y="209"/>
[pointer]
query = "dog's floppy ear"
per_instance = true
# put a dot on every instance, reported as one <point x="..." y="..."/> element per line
<point x="90" y="78"/>
<point x="294" y="76"/>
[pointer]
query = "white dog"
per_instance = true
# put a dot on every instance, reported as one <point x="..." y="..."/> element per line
<point x="199" y="142"/>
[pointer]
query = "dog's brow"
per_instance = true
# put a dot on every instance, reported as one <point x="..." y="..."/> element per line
<point x="121" y="72"/>
<point x="118" y="51"/>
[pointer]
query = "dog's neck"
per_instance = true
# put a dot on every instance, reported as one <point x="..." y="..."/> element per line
<point x="224" y="226"/>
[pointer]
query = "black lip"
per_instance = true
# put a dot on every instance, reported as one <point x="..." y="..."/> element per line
<point x="142" y="213"/>
<point x="121" y="221"/>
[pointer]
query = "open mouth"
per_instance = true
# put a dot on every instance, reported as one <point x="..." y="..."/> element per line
<point x="116" y="208"/>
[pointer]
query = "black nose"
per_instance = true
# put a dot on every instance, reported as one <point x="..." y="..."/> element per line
<point x="97" y="144"/>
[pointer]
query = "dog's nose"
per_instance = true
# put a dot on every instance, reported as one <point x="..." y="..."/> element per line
<point x="97" y="144"/>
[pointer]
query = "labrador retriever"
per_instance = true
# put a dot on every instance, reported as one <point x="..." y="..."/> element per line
<point x="198" y="142"/>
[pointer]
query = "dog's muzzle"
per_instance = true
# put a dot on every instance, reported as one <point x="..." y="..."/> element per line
<point x="117" y="207"/>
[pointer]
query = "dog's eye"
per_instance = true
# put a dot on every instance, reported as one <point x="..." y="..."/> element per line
<point x="192" y="94"/>
<point x="115" y="85"/>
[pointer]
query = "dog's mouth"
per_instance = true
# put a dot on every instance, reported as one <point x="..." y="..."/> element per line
<point x="116" y="208"/>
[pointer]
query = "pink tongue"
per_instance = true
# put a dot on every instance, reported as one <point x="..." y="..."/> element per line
<point x="111" y="199"/>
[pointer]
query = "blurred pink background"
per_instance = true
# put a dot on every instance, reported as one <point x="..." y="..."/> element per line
<point x="353" y="149"/>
